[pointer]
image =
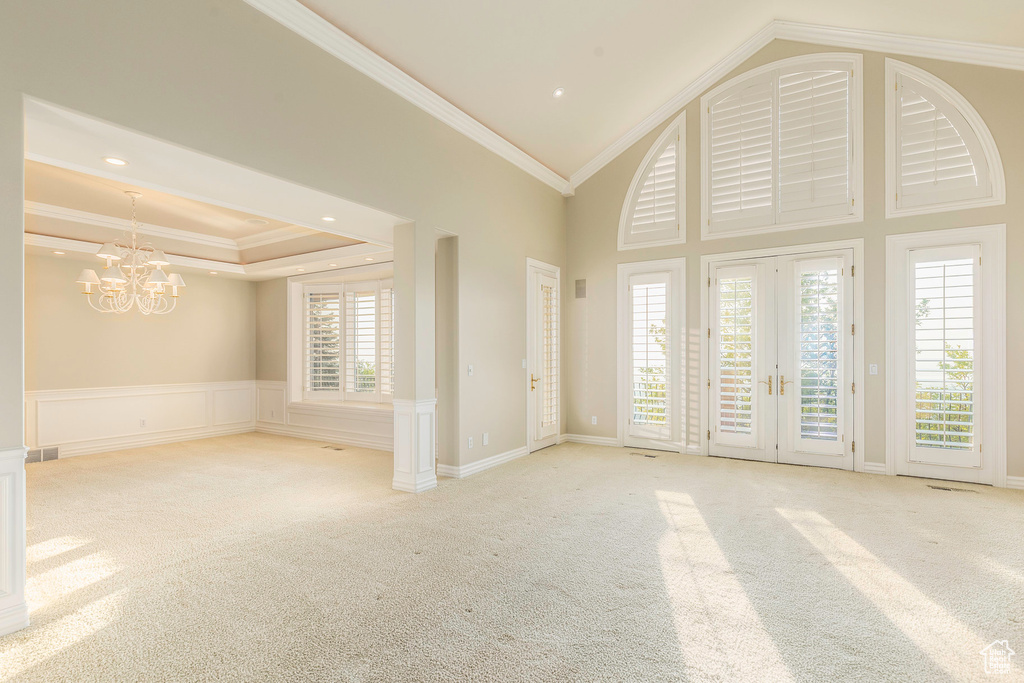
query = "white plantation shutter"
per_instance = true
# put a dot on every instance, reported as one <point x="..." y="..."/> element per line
<point x="653" y="211"/>
<point x="814" y="143"/>
<point x="779" y="146"/>
<point x="361" y="343"/>
<point x="648" y="296"/>
<point x="940" y="158"/>
<point x="741" y="154"/>
<point x="387" y="341"/>
<point x="322" y="343"/>
<point x="549" y="354"/>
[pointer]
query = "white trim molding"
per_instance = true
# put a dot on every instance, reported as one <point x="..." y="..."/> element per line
<point x="317" y="30"/>
<point x="415" y="445"/>
<point x="463" y="471"/>
<point x="1015" y="482"/>
<point x="13" y="608"/>
<point x="992" y="444"/>
<point x="609" y="441"/>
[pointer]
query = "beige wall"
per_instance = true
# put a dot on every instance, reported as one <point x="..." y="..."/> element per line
<point x="223" y="79"/>
<point x="593" y="217"/>
<point x="210" y="337"/>
<point x="272" y="330"/>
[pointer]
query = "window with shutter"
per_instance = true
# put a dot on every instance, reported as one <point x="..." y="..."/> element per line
<point x="782" y="147"/>
<point x="653" y="213"/>
<point x="348" y="341"/>
<point x="941" y="154"/>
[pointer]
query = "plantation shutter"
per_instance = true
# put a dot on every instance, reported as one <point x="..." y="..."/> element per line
<point x="549" y="352"/>
<point x="322" y="343"/>
<point x="655" y="204"/>
<point x="649" y="368"/>
<point x="361" y="362"/>
<point x="814" y="171"/>
<point x="387" y="341"/>
<point x="741" y="154"/>
<point x="940" y="158"/>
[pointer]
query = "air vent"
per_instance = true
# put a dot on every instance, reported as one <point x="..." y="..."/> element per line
<point x="581" y="289"/>
<point x="951" y="488"/>
<point x="333" y="448"/>
<point x="34" y="455"/>
<point x="51" y="453"/>
<point x="644" y="455"/>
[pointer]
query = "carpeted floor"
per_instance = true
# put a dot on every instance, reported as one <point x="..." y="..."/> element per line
<point x="264" y="558"/>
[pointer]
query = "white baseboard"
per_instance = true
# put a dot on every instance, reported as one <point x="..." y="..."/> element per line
<point x="129" y="442"/>
<point x="873" y="467"/>
<point x="1015" y="482"/>
<point x="592" y="440"/>
<point x="463" y="471"/>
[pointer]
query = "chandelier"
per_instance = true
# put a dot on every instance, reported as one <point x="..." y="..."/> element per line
<point x="133" y="276"/>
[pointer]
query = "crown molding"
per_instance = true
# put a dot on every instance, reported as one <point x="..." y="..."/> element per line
<point x="274" y="236"/>
<point x="82" y="247"/>
<point x="980" y="54"/>
<point x="325" y="35"/>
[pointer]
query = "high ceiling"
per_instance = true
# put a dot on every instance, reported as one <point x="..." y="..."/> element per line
<point x="618" y="60"/>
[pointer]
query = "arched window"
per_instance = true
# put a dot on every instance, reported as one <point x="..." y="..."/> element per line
<point x="782" y="147"/>
<point x="940" y="154"/>
<point x="654" y="211"/>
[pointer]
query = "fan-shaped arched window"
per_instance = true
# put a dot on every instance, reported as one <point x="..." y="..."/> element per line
<point x="782" y="147"/>
<point x="653" y="214"/>
<point x="940" y="153"/>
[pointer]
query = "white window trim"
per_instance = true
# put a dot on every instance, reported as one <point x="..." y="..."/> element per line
<point x="992" y="239"/>
<point x="700" y="445"/>
<point x="295" y="305"/>
<point x="677" y="128"/>
<point x="857" y="147"/>
<point x="677" y="358"/>
<point x="997" y="179"/>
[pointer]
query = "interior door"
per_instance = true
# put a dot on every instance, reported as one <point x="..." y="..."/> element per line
<point x="742" y="377"/>
<point x="543" y="355"/>
<point x="781" y="359"/>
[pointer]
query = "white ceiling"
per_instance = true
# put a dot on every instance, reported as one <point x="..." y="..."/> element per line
<point x="618" y="60"/>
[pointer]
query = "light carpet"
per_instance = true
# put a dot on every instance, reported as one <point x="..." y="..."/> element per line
<point x="265" y="558"/>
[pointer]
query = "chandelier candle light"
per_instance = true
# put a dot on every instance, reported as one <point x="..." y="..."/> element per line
<point x="133" y="276"/>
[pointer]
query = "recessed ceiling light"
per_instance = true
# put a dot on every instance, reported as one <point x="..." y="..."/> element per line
<point x="301" y="270"/>
<point x="59" y="253"/>
<point x="333" y="265"/>
<point x="213" y="272"/>
<point x="329" y="219"/>
<point x="115" y="161"/>
<point x="256" y="221"/>
<point x="369" y="258"/>
<point x="558" y="92"/>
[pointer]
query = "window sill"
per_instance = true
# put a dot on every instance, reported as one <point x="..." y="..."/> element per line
<point x="374" y="412"/>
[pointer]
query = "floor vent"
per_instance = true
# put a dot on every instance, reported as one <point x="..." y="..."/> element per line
<point x="950" y="488"/>
<point x="334" y="448"/>
<point x="42" y="454"/>
<point x="644" y="455"/>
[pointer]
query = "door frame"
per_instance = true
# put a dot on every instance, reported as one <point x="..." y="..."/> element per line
<point x="677" y="391"/>
<point x="702" y="444"/>
<point x="992" y="239"/>
<point x="535" y="266"/>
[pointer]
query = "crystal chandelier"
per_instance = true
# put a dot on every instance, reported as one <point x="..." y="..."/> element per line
<point x="132" y="277"/>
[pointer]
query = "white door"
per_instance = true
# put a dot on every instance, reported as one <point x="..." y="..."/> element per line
<point x="781" y="359"/>
<point x="543" y="355"/>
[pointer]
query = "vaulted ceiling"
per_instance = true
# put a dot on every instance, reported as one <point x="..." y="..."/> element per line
<point x="618" y="60"/>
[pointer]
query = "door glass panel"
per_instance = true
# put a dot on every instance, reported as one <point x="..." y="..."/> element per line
<point x="819" y="353"/>
<point x="549" y="353"/>
<point x="944" y="338"/>
<point x="735" y="354"/>
<point x="649" y="354"/>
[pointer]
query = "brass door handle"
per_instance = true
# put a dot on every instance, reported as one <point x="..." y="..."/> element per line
<point x="782" y="385"/>
<point x="533" y="381"/>
<point x="769" y="383"/>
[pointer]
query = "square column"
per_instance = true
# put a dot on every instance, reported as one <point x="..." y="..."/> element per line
<point x="415" y="400"/>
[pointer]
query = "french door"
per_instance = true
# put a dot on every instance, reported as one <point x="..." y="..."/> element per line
<point x="780" y="376"/>
<point x="543" y="354"/>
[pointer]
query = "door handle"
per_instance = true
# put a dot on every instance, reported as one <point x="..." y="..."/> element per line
<point x="769" y="383"/>
<point x="782" y="385"/>
<point x="533" y="382"/>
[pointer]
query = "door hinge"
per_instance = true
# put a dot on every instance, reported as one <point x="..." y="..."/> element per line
<point x="709" y="435"/>
<point x="853" y="387"/>
<point x="853" y="446"/>
<point x="853" y="329"/>
<point x="709" y="384"/>
<point x="709" y="333"/>
<point x="852" y="270"/>
<point x="709" y="281"/>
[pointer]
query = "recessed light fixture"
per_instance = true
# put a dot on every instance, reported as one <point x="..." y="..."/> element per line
<point x="329" y="219"/>
<point x="558" y="92"/>
<point x="333" y="265"/>
<point x="114" y="161"/>
<point x="59" y="253"/>
<point x="213" y="272"/>
<point x="369" y="258"/>
<point x="301" y="270"/>
<point x="256" y="221"/>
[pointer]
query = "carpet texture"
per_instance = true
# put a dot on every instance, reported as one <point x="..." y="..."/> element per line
<point x="264" y="558"/>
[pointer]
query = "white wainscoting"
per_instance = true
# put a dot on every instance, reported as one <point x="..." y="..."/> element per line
<point x="366" y="425"/>
<point x="82" y="421"/>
